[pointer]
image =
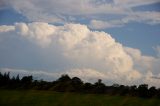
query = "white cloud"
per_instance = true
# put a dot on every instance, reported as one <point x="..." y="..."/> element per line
<point x="149" y="17"/>
<point x="5" y="28"/>
<point x="148" y="66"/>
<point x="143" y="63"/>
<point x="98" y="24"/>
<point x="134" y="3"/>
<point x="75" y="49"/>
<point x="94" y="11"/>
<point x="149" y="78"/>
<point x="37" y="74"/>
<point x="86" y="74"/>
<point x="38" y="31"/>
<point x="157" y="49"/>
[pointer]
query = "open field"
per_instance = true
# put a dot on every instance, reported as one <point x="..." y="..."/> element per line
<point x="49" y="98"/>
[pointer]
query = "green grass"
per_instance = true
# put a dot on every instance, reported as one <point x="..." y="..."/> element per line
<point x="50" y="98"/>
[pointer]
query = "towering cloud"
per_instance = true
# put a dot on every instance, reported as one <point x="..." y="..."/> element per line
<point x="78" y="51"/>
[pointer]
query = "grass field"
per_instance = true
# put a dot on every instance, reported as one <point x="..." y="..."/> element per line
<point x="49" y="98"/>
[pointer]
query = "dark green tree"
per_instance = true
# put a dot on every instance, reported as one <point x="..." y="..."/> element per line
<point x="99" y="87"/>
<point x="143" y="90"/>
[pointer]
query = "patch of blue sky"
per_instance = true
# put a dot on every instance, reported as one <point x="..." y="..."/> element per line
<point x="9" y="17"/>
<point x="138" y="35"/>
<point x="151" y="7"/>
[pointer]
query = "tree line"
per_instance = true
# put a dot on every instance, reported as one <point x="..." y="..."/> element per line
<point x="75" y="84"/>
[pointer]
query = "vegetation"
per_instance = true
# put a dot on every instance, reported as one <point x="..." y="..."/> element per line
<point x="51" y="98"/>
<point x="75" y="84"/>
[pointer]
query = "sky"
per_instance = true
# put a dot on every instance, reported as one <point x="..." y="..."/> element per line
<point x="117" y="41"/>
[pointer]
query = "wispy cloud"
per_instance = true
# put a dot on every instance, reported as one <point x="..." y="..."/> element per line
<point x="134" y="3"/>
<point x="54" y="11"/>
<point x="98" y="24"/>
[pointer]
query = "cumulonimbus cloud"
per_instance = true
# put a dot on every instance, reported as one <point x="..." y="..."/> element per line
<point x="78" y="51"/>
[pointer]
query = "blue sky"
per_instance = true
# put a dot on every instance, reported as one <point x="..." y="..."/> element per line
<point x="135" y="26"/>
